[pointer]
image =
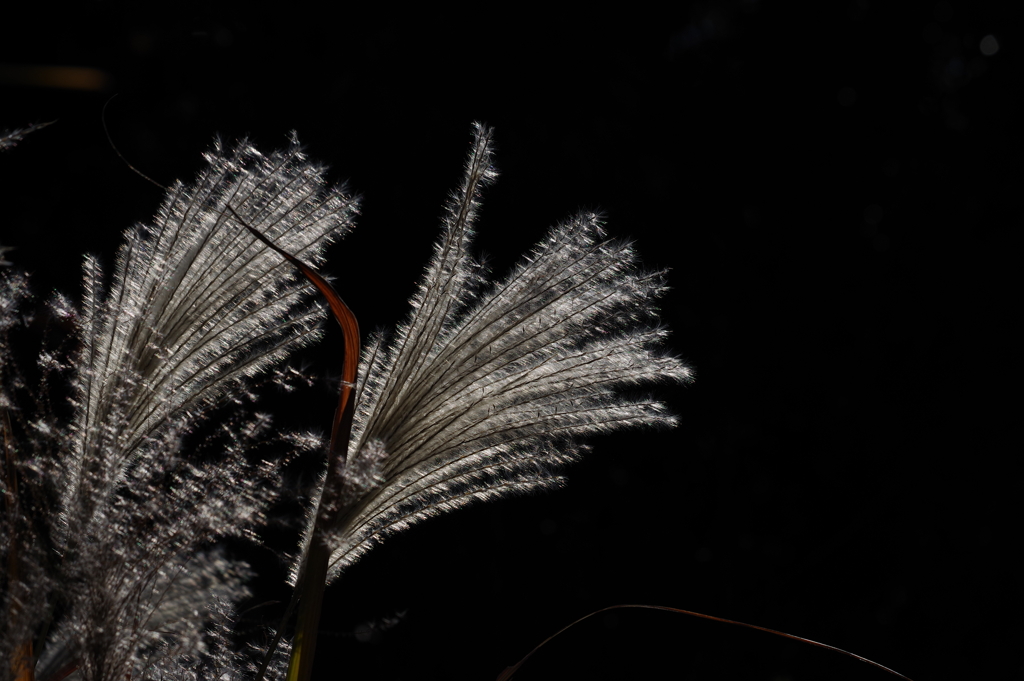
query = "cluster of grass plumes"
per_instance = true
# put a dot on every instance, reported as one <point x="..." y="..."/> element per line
<point x="112" y="515"/>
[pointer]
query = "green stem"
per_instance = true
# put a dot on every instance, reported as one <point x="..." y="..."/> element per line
<point x="314" y="580"/>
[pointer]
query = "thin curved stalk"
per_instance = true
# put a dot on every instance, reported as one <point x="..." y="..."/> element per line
<point x="313" y="577"/>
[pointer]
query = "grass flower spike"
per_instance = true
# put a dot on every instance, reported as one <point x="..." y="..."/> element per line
<point x="109" y="533"/>
<point x="112" y="508"/>
<point x="484" y="390"/>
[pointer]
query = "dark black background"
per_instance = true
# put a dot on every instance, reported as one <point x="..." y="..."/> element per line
<point x="836" y="190"/>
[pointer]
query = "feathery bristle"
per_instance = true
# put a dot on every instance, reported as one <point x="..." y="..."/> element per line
<point x="196" y="311"/>
<point x="483" y="390"/>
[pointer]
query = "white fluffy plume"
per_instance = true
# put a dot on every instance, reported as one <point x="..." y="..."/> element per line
<point x="110" y="517"/>
<point x="197" y="305"/>
<point x="483" y="390"/>
<point x="109" y="540"/>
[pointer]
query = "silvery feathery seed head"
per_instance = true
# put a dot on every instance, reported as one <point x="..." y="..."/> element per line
<point x="10" y="138"/>
<point x="197" y="307"/>
<point x="196" y="310"/>
<point x="483" y="391"/>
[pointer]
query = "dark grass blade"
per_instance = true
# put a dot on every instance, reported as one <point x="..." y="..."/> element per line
<point x="313" y="579"/>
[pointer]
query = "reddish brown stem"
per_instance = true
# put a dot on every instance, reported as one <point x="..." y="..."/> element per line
<point x="313" y="575"/>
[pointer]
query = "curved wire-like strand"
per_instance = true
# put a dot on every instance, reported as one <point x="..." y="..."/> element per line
<point x="509" y="671"/>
